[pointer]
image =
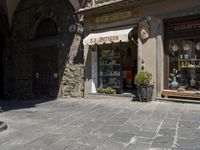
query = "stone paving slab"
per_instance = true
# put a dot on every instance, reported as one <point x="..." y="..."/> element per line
<point x="100" y="124"/>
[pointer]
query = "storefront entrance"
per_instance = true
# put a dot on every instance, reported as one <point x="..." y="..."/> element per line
<point x="45" y="72"/>
<point x="129" y="66"/>
<point x="113" y="59"/>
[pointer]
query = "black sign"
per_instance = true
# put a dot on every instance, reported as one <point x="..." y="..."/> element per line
<point x="184" y="27"/>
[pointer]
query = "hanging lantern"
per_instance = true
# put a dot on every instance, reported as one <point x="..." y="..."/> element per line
<point x="144" y="30"/>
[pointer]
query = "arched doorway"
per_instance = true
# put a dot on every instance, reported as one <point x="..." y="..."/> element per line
<point x="45" y="62"/>
<point x="3" y="38"/>
<point x="1" y="66"/>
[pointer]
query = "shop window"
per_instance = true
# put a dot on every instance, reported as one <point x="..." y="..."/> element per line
<point x="184" y="64"/>
<point x="109" y="66"/>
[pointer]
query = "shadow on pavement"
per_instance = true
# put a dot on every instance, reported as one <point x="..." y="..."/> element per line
<point x="6" y="105"/>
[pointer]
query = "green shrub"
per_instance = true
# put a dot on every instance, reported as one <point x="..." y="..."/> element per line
<point x="100" y="90"/>
<point x="109" y="90"/>
<point x="143" y="78"/>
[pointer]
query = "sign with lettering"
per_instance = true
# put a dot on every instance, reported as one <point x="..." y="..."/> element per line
<point x="107" y="39"/>
<point x="114" y="17"/>
<point x="184" y="27"/>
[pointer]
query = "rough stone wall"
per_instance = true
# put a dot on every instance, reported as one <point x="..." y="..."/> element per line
<point x="25" y="19"/>
<point x="73" y="77"/>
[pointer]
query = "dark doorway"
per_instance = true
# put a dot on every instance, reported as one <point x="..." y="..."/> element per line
<point x="45" y="72"/>
<point x="1" y="66"/>
<point x="129" y="66"/>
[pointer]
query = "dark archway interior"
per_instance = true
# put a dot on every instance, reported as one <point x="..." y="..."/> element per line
<point x="45" y="62"/>
<point x="2" y="41"/>
<point x="47" y="27"/>
<point x="44" y="55"/>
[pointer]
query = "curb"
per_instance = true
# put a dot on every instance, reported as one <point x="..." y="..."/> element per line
<point x="3" y="126"/>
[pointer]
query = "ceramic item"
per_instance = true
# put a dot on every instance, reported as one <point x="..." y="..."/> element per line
<point x="175" y="47"/>
<point x="174" y="84"/>
<point x="192" y="83"/>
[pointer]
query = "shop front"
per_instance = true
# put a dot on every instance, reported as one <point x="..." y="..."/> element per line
<point x="114" y="58"/>
<point x="111" y="52"/>
<point x="182" y="57"/>
<point x="159" y="37"/>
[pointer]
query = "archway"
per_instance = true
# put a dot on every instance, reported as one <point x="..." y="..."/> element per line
<point x="3" y="38"/>
<point x="40" y="37"/>
<point x="45" y="62"/>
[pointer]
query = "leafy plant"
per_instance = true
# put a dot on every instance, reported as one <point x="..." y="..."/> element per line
<point x="100" y="90"/>
<point x="109" y="90"/>
<point x="143" y="78"/>
<point x="175" y="73"/>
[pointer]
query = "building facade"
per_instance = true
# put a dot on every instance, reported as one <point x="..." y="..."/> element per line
<point x="43" y="57"/>
<point x="161" y="36"/>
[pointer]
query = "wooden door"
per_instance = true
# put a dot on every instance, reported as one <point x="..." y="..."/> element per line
<point x="45" y="73"/>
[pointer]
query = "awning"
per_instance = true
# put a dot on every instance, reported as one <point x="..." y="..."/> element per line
<point x="108" y="36"/>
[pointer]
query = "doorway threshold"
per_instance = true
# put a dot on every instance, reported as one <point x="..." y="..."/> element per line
<point x="111" y="96"/>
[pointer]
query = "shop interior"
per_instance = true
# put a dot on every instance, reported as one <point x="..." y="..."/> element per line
<point x="117" y="66"/>
<point x="184" y="64"/>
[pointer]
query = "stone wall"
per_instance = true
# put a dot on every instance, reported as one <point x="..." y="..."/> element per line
<point x="24" y="23"/>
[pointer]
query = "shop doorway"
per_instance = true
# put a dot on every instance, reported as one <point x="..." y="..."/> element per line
<point x="45" y="72"/>
<point x="129" y="66"/>
<point x="117" y="66"/>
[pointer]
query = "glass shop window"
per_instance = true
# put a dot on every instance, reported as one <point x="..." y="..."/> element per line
<point x="184" y="64"/>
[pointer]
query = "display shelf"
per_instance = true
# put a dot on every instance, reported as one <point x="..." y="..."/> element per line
<point x="110" y="57"/>
<point x="109" y="64"/>
<point x="189" y="67"/>
<point x="107" y="75"/>
<point x="189" y="60"/>
<point x="116" y="87"/>
<point x="109" y="69"/>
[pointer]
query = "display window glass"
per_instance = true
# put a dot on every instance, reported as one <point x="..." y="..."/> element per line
<point x="109" y="61"/>
<point x="184" y="64"/>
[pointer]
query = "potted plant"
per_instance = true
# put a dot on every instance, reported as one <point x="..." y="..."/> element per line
<point x="144" y="87"/>
<point x="101" y="90"/>
<point x="110" y="90"/>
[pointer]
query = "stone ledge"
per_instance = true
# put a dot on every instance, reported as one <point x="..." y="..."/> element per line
<point x="111" y="96"/>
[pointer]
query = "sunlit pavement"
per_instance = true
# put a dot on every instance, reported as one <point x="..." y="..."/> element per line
<point x="103" y="124"/>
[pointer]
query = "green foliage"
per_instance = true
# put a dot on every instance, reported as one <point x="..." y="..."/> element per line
<point x="175" y="73"/>
<point x="100" y="90"/>
<point x="108" y="90"/>
<point x="143" y="78"/>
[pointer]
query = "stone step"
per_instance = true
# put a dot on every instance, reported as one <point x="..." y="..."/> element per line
<point x="111" y="96"/>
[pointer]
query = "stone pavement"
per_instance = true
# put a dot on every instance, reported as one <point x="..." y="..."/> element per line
<point x="103" y="124"/>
